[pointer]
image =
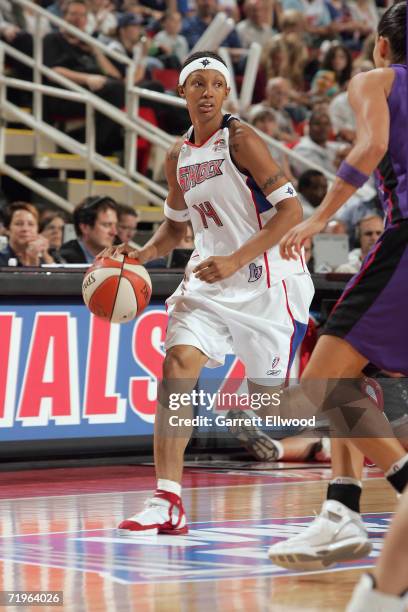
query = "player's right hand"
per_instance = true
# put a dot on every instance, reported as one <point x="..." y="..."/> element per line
<point x="118" y="249"/>
<point x="143" y="255"/>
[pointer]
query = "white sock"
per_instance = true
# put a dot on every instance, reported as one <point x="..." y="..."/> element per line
<point x="279" y="447"/>
<point x="397" y="466"/>
<point x="171" y="486"/>
<point x="346" y="480"/>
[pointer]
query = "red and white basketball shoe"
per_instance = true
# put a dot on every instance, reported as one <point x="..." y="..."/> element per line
<point x="164" y="513"/>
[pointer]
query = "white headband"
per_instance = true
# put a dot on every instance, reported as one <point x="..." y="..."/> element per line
<point x="205" y="63"/>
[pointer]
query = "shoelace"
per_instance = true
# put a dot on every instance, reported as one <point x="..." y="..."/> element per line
<point x="157" y="501"/>
<point x="160" y="502"/>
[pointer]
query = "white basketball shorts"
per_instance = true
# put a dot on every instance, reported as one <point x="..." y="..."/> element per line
<point x="264" y="332"/>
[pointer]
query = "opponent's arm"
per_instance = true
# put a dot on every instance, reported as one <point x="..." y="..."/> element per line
<point x="252" y="155"/>
<point x="368" y="98"/>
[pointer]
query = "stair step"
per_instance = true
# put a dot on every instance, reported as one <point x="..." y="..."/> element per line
<point x="65" y="161"/>
<point x="77" y="190"/>
<point x="19" y="141"/>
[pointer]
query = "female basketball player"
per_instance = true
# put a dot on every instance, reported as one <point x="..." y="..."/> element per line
<point x="239" y="295"/>
<point x="367" y="322"/>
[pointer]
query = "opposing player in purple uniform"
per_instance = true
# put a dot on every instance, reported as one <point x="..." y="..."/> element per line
<point x="368" y="322"/>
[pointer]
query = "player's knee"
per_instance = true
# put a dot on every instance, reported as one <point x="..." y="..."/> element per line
<point x="177" y="363"/>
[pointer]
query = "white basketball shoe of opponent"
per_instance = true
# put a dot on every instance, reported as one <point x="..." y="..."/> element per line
<point x="163" y="514"/>
<point x="337" y="534"/>
<point x="366" y="597"/>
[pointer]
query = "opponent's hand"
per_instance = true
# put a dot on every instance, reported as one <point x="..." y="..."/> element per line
<point x="216" y="268"/>
<point x="291" y="243"/>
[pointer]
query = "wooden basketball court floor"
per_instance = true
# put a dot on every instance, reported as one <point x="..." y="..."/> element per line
<point x="57" y="532"/>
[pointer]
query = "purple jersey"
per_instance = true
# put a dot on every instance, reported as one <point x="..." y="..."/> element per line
<point x="391" y="174"/>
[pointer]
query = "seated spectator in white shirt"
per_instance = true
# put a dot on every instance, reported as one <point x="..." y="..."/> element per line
<point x="255" y="28"/>
<point x="172" y="47"/>
<point x="276" y="98"/>
<point x="316" y="147"/>
<point x="368" y="230"/>
<point x="101" y="17"/>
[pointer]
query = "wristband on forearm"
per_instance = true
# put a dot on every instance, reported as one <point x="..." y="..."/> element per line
<point x="351" y="175"/>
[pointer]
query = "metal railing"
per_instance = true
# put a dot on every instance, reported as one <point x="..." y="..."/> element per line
<point x="129" y="120"/>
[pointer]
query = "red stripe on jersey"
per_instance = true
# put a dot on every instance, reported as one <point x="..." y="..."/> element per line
<point x="292" y="336"/>
<point x="191" y="144"/>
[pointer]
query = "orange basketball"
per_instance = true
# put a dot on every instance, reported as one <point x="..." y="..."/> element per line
<point x="117" y="288"/>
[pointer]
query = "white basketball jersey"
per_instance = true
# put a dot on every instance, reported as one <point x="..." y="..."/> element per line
<point x="227" y="208"/>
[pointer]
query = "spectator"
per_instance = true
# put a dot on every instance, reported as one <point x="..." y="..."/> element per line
<point x="312" y="187"/>
<point x="127" y="225"/>
<point x="323" y="85"/>
<point x="316" y="15"/>
<point x="172" y="47"/>
<point x="56" y="9"/>
<point x="357" y="208"/>
<point x="368" y="230"/>
<point x="265" y="122"/>
<point x="26" y="247"/>
<point x="52" y="228"/>
<point x="180" y="256"/>
<point x="187" y="242"/>
<point x="308" y="250"/>
<point x="341" y="114"/>
<point x="367" y="51"/>
<point x="86" y="66"/>
<point x="195" y="26"/>
<point x="297" y="54"/>
<point x="365" y="12"/>
<point x="101" y="17"/>
<point x="274" y="58"/>
<point x="129" y="33"/>
<point x="316" y="148"/>
<point x="338" y="59"/>
<point x="292" y="22"/>
<point x="277" y="97"/>
<point x="12" y="31"/>
<point x="30" y="22"/>
<point x="95" y="221"/>
<point x="255" y="28"/>
<point x="3" y="231"/>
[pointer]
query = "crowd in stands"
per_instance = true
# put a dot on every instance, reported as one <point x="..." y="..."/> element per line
<point x="310" y="50"/>
<point x="34" y="238"/>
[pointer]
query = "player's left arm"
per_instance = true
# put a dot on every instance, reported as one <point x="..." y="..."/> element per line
<point x="251" y="154"/>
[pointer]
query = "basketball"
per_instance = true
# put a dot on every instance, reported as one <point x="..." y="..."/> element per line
<point x="117" y="289"/>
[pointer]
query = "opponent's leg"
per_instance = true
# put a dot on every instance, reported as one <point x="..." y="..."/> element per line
<point x="382" y="591"/>
<point x="338" y="532"/>
<point x="164" y="512"/>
